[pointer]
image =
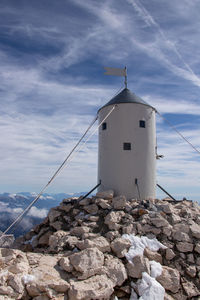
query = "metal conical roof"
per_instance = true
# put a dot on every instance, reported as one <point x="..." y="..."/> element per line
<point x="126" y="96"/>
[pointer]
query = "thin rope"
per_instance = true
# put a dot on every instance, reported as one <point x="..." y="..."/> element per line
<point x="180" y="134"/>
<point x="81" y="146"/>
<point x="59" y="169"/>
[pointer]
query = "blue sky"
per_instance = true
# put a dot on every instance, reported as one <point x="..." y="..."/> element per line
<point x="52" y="84"/>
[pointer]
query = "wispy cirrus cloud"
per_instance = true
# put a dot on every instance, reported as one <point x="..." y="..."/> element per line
<point x="52" y="83"/>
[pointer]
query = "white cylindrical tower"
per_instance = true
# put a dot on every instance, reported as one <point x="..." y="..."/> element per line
<point x="127" y="147"/>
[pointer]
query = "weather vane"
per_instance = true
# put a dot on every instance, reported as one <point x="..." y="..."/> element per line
<point x="117" y="72"/>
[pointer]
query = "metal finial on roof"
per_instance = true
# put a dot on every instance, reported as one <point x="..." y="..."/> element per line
<point x="125" y="82"/>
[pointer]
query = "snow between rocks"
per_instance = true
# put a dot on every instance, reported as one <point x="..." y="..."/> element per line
<point x="138" y="244"/>
<point x="148" y="287"/>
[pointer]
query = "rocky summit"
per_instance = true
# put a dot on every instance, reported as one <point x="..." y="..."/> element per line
<point x="107" y="247"/>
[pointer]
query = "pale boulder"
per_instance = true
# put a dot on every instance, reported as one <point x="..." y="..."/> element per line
<point x="159" y="222"/>
<point x="53" y="215"/>
<point x="85" y="260"/>
<point x="91" y="209"/>
<point x="181" y="236"/>
<point x="139" y="265"/>
<point x="191" y="271"/>
<point x="65" y="264"/>
<point x="184" y="247"/>
<point x="105" y="194"/>
<point x="181" y="227"/>
<point x="167" y="208"/>
<point x="169" y="254"/>
<point x="190" y="289"/>
<point x="61" y="239"/>
<point x="197" y="248"/>
<point x="99" y="242"/>
<point x="119" y="202"/>
<point x="48" y="277"/>
<point x="79" y="231"/>
<point x="96" y="287"/>
<point x="153" y="255"/>
<point x="120" y="246"/>
<point x="169" y="279"/>
<point x="103" y="203"/>
<point x="115" y="270"/>
<point x="195" y="230"/>
<point x="113" y="218"/>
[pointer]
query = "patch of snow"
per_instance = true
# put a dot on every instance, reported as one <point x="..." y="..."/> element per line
<point x="138" y="244"/>
<point x="28" y="278"/>
<point x="12" y="196"/>
<point x="133" y="296"/>
<point x="75" y="250"/>
<point x="3" y="203"/>
<point x="150" y="289"/>
<point x="34" y="194"/>
<point x="156" y="268"/>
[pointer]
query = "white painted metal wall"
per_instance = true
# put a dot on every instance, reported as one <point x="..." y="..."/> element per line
<point x="118" y="168"/>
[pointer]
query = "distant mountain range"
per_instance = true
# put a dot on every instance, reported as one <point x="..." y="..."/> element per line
<point x="11" y="205"/>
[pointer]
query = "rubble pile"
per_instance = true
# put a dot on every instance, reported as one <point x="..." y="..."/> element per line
<point x="107" y="247"/>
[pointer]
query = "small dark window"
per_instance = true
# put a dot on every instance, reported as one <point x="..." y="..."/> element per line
<point x="104" y="126"/>
<point x="127" y="146"/>
<point x="142" y="123"/>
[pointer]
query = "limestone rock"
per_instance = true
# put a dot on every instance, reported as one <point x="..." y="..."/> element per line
<point x="181" y="227"/>
<point x="167" y="208"/>
<point x="44" y="239"/>
<point x="139" y="265"/>
<point x="105" y="194"/>
<point x="197" y="248"/>
<point x="99" y="242"/>
<point x="91" y="209"/>
<point x="85" y="201"/>
<point x="175" y="218"/>
<point x="90" y="258"/>
<point x="184" y="247"/>
<point x="191" y="271"/>
<point x="120" y="246"/>
<point x="113" y="218"/>
<point x="181" y="236"/>
<point x="190" y="288"/>
<point x="65" y="264"/>
<point x="119" y="202"/>
<point x="195" y="230"/>
<point x="79" y="231"/>
<point x="159" y="222"/>
<point x="61" y="239"/>
<point x="57" y="225"/>
<point x="103" y="203"/>
<point x="111" y="235"/>
<point x="169" y="279"/>
<point x="47" y="277"/>
<point x="115" y="270"/>
<point x="153" y="255"/>
<point x="53" y="215"/>
<point x="170" y="254"/>
<point x="65" y="207"/>
<point x="96" y="287"/>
